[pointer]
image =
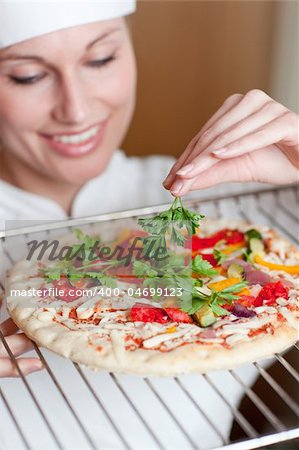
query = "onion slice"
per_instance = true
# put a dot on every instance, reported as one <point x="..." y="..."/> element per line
<point x="241" y="311"/>
<point x="252" y="275"/>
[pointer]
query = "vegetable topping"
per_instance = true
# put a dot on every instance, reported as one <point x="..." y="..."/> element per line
<point x="270" y="293"/>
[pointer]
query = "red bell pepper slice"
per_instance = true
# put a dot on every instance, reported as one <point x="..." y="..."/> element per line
<point x="142" y="312"/>
<point x="270" y="292"/>
<point x="210" y="258"/>
<point x="177" y="315"/>
<point x="229" y="236"/>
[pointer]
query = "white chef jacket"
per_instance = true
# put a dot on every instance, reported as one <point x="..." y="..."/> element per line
<point x="128" y="182"/>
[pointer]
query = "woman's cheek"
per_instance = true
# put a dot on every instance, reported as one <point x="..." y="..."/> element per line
<point x="120" y="83"/>
<point x="20" y="111"/>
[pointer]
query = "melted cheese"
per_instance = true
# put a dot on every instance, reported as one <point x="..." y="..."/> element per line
<point x="157" y="340"/>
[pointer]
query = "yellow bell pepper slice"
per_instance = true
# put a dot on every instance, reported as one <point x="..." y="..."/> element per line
<point x="244" y="291"/>
<point x="232" y="248"/>
<point x="289" y="269"/>
<point x="171" y="329"/>
<point x="220" y="285"/>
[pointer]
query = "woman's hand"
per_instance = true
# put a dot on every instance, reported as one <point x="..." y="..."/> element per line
<point x="250" y="138"/>
<point x="18" y="343"/>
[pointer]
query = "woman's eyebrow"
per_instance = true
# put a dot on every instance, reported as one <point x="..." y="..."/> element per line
<point x="13" y="56"/>
<point x="102" y="36"/>
<point x="17" y="56"/>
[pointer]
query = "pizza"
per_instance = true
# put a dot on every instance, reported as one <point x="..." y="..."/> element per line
<point x="243" y="306"/>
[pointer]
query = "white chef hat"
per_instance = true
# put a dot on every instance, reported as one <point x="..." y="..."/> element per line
<point x="21" y="20"/>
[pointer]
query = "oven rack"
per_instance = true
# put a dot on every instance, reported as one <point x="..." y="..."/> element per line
<point x="69" y="407"/>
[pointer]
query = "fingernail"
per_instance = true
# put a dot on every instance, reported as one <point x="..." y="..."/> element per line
<point x="220" y="151"/>
<point x="176" y="187"/>
<point x="168" y="179"/>
<point x="184" y="170"/>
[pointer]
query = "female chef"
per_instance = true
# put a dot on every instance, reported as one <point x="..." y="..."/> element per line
<point x="67" y="95"/>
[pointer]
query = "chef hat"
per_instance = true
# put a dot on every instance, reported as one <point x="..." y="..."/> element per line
<point x="21" y="20"/>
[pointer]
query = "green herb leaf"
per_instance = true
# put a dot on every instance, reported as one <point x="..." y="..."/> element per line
<point x="177" y="237"/>
<point x="217" y="310"/>
<point x="203" y="267"/>
<point x="235" y="288"/>
<point x="142" y="269"/>
<point x="196" y="305"/>
<point x="247" y="255"/>
<point x="253" y="234"/>
<point x="219" y="256"/>
<point x="102" y="278"/>
<point x="53" y="273"/>
<point x="170" y="221"/>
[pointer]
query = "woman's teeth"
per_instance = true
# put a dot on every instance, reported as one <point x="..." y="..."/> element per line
<point x="78" y="138"/>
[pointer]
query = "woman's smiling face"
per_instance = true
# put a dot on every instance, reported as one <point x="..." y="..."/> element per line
<point x="66" y="100"/>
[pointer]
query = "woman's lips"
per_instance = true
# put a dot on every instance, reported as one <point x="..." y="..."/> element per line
<point x="77" y="144"/>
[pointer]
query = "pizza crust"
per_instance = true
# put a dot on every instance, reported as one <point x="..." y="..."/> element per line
<point x="189" y="358"/>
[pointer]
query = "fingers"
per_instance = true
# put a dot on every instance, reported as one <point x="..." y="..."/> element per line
<point x="234" y="110"/>
<point x="273" y="132"/>
<point x="271" y="124"/>
<point x="247" y="168"/>
<point x="249" y="103"/>
<point x="181" y="187"/>
<point x="185" y="157"/>
<point x="26" y="365"/>
<point x="18" y="344"/>
<point x="230" y="126"/>
<point x="227" y="105"/>
<point x="232" y="170"/>
<point x="266" y="114"/>
<point x="240" y="108"/>
<point x="8" y="327"/>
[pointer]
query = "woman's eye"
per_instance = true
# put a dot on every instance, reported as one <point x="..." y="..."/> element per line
<point x="102" y="62"/>
<point x="35" y="78"/>
<point x="26" y="80"/>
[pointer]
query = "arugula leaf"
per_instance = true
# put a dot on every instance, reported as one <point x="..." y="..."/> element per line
<point x="203" y="267"/>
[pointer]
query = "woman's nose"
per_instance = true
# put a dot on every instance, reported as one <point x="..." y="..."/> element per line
<point x="71" y="105"/>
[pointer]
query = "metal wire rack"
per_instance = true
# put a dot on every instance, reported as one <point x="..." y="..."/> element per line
<point x="69" y="407"/>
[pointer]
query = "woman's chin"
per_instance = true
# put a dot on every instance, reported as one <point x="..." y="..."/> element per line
<point x="78" y="173"/>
